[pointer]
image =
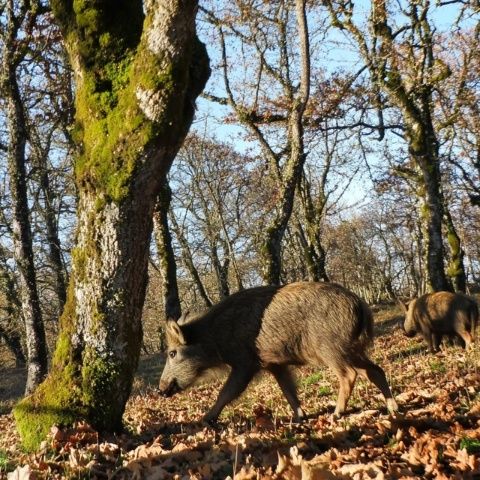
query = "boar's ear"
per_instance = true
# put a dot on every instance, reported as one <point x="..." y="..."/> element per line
<point x="174" y="334"/>
<point x="183" y="318"/>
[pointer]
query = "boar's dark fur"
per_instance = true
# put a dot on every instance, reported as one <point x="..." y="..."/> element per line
<point x="439" y="314"/>
<point x="271" y="328"/>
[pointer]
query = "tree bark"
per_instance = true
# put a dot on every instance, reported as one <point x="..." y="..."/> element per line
<point x="137" y="77"/>
<point x="9" y="330"/>
<point x="313" y="213"/>
<point x="431" y="213"/>
<point x="166" y="255"/>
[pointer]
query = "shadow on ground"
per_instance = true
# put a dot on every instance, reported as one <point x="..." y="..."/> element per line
<point x="388" y="326"/>
<point x="149" y="370"/>
<point x="13" y="380"/>
<point x="12" y="386"/>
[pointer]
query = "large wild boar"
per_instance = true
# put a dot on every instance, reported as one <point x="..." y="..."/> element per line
<point x="439" y="314"/>
<point x="271" y="328"/>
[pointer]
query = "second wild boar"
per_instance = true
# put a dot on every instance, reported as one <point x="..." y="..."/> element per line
<point x="270" y="328"/>
<point x="439" y="314"/>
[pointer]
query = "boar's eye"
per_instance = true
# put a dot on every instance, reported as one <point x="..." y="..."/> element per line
<point x="172" y="353"/>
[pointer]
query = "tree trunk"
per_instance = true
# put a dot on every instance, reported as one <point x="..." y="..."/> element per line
<point x="166" y="255"/>
<point x="296" y="95"/>
<point x="313" y="212"/>
<point x="189" y="264"/>
<point x="13" y="341"/>
<point x="220" y="268"/>
<point x="271" y="252"/>
<point x="313" y="255"/>
<point x="272" y="243"/>
<point x="22" y="234"/>
<point x="137" y="78"/>
<point x="10" y="331"/>
<point x="51" y="225"/>
<point x="411" y="92"/>
<point x="423" y="148"/>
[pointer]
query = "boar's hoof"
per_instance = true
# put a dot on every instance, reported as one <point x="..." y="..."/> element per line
<point x="337" y="415"/>
<point x="171" y="389"/>
<point x="299" y="416"/>
<point x="392" y="406"/>
<point x="210" y="420"/>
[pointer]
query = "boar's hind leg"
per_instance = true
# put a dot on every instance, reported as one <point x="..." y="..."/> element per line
<point x="346" y="377"/>
<point x="236" y="383"/>
<point x="367" y="369"/>
<point x="287" y="383"/>
<point x="465" y="336"/>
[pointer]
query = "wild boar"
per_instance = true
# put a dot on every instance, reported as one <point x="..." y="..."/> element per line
<point x="270" y="328"/>
<point x="439" y="314"/>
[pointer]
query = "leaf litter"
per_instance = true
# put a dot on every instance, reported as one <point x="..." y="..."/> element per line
<point x="435" y="436"/>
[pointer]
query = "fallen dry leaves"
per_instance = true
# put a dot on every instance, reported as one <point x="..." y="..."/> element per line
<point x="436" y="435"/>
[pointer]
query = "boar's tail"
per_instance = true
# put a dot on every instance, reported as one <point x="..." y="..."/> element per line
<point x="365" y="325"/>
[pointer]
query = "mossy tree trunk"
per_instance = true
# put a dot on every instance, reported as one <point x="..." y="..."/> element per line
<point x="289" y="176"/>
<point x="166" y="255"/>
<point x="423" y="148"/>
<point x="137" y="77"/>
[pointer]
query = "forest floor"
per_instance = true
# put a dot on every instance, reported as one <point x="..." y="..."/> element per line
<point x="436" y="435"/>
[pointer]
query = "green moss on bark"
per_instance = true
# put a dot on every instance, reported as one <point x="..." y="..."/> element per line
<point x="103" y="37"/>
<point x="455" y="267"/>
<point x="57" y="401"/>
<point x="99" y="386"/>
<point x="112" y="128"/>
<point x="51" y="405"/>
<point x="114" y="131"/>
<point x="80" y="386"/>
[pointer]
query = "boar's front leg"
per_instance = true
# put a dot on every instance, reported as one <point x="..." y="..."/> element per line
<point x="428" y="339"/>
<point x="287" y="383"/>
<point x="436" y="341"/>
<point x="236" y="383"/>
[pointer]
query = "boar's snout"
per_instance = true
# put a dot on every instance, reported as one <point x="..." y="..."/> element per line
<point x="167" y="389"/>
<point x="408" y="332"/>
